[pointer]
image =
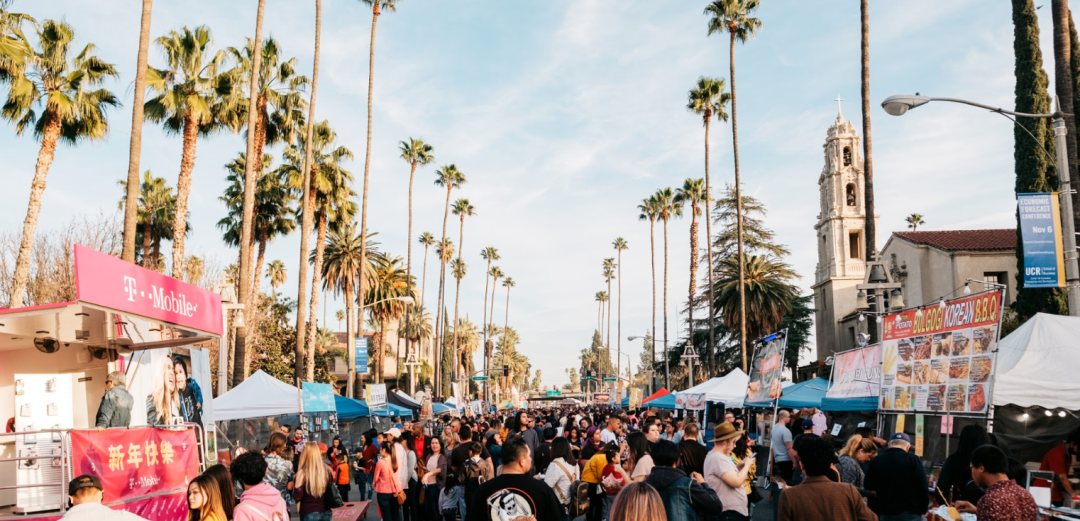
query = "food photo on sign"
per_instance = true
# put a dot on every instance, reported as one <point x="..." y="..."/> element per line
<point x="765" y="382"/>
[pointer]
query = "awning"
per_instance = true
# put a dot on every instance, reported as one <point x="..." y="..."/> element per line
<point x="729" y="389"/>
<point x="797" y="396"/>
<point x="1036" y="364"/>
<point x="350" y="409"/>
<point x="666" y="401"/>
<point x="663" y="391"/>
<point x="259" y="396"/>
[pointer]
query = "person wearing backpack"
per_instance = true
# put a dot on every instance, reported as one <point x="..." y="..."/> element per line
<point x="686" y="498"/>
<point x="472" y="473"/>
<point x="562" y="474"/>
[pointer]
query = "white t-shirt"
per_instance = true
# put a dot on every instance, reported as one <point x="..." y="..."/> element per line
<point x="716" y="464"/>
<point x="560" y="480"/>
<point x="642" y="467"/>
<point x="780" y="436"/>
<point x="402" y="465"/>
<point x="607" y="436"/>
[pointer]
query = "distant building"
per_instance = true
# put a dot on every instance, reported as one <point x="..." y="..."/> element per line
<point x="339" y="366"/>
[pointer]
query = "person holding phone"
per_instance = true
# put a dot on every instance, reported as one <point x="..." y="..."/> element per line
<point x="726" y="477"/>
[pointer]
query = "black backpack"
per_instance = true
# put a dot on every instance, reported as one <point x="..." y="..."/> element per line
<point x="472" y="476"/>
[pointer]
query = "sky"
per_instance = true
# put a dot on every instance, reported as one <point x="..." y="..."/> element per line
<point x="564" y="116"/>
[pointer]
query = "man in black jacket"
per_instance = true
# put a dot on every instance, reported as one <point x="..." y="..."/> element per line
<point x="115" y="408"/>
<point x="684" y="497"/>
<point x="897" y="482"/>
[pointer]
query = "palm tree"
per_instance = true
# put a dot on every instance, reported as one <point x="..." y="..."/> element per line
<point x="769" y="293"/>
<point x="279" y="105"/>
<point x="609" y="273"/>
<point x="416" y="153"/>
<point x="193" y="93"/>
<point x="870" y="223"/>
<point x="275" y="271"/>
<point x="449" y="177"/>
<point x="650" y="210"/>
<point x="73" y="111"/>
<point x="619" y="244"/>
<point x="496" y="274"/>
<point x="914" y="221"/>
<point x="135" y="148"/>
<point x="601" y="297"/>
<point x="458" y="270"/>
<point x="427" y="240"/>
<point x="693" y="193"/>
<point x="665" y="200"/>
<point x="461" y="208"/>
<point x="388" y="284"/>
<point x="508" y="283"/>
<point x="445" y="251"/>
<point x="340" y="316"/>
<point x="305" y="200"/>
<point x="329" y="198"/>
<point x="489" y="254"/>
<point x="706" y="99"/>
<point x="13" y="46"/>
<point x="342" y="272"/>
<point x="734" y="17"/>
<point x="467" y="337"/>
<point x="155" y="214"/>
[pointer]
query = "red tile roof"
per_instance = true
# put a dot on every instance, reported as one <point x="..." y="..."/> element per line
<point x="964" y="240"/>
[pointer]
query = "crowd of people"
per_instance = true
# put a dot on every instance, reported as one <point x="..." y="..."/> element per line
<point x="603" y="464"/>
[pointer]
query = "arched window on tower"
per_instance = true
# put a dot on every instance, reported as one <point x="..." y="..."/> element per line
<point x="851" y="199"/>
<point x="847" y="156"/>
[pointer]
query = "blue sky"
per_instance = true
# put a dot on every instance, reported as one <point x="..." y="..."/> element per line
<point x="564" y="116"/>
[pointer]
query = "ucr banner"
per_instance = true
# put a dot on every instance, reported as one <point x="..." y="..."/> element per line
<point x="1040" y="233"/>
<point x="136" y="462"/>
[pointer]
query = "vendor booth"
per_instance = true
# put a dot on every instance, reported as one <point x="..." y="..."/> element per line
<point x="54" y="360"/>
<point x="799" y="396"/>
<point x="404" y="403"/>
<point x="356" y="418"/>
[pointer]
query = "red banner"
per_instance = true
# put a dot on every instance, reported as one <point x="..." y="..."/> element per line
<point x="136" y="462"/>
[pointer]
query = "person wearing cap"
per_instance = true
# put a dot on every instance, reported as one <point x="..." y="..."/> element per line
<point x="115" y="408"/>
<point x="86" y="495"/>
<point x="897" y="482"/>
<point x="725" y="477"/>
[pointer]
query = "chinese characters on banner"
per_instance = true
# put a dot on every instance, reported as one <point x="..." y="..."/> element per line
<point x="857" y="373"/>
<point x="765" y="371"/>
<point x="1040" y="234"/>
<point x="942" y="360"/>
<point x="136" y="462"/>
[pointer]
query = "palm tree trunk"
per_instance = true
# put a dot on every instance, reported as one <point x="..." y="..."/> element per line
<point x="618" y="326"/>
<point x="423" y="296"/>
<point x="316" y="281"/>
<point x="608" y="344"/>
<point x="260" y="258"/>
<point x="367" y="167"/>
<point x="183" y="190"/>
<point x="46" y="153"/>
<point x="457" y="300"/>
<point x="251" y="172"/>
<point x="667" y="380"/>
<point x="738" y="210"/>
<point x="439" y="333"/>
<point x="131" y="212"/>
<point x="506" y="321"/>
<point x="147" y="227"/>
<point x="708" y="244"/>
<point x="487" y="355"/>
<point x="870" y="224"/>
<point x="408" y="265"/>
<point x="693" y="275"/>
<point x="350" y="333"/>
<point x="305" y="220"/>
<point x="382" y="351"/>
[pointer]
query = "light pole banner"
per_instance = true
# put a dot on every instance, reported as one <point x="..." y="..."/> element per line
<point x="1040" y="232"/>
<point x="361" y="355"/>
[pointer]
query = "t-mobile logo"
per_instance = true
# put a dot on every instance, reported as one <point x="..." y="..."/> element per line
<point x="129" y="287"/>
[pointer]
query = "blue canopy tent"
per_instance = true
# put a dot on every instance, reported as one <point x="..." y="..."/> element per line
<point x="666" y="401"/>
<point x="861" y="403"/>
<point x="348" y="409"/>
<point x="798" y="396"/>
<point x="442" y="408"/>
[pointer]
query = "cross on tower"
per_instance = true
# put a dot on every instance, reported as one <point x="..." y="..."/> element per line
<point x="838" y="100"/>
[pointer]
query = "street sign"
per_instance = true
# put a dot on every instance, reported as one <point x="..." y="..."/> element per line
<point x="554" y="393"/>
<point x="611" y="379"/>
<point x="479" y="378"/>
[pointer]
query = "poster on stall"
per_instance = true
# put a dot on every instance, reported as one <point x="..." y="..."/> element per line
<point x="765" y="371"/>
<point x="376" y="396"/>
<point x="940" y="359"/>
<point x="171" y="386"/>
<point x="136" y="462"/>
<point x="1040" y="234"/>
<point x="695" y="401"/>
<point x="919" y="434"/>
<point x="635" y="398"/>
<point x="856" y="373"/>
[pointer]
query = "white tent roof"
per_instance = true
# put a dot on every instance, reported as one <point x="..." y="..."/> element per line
<point x="729" y="389"/>
<point x="409" y="401"/>
<point x="1036" y="364"/>
<point x="259" y="396"/>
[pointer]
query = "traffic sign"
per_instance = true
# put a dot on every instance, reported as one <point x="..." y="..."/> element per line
<point x="554" y="393"/>
<point x="612" y="379"/>
<point x="479" y="378"/>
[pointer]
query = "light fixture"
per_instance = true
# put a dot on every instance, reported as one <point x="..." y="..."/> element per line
<point x="880" y="319"/>
<point x="862" y="318"/>
<point x="918" y="313"/>
<point x="406" y="300"/>
<point x="897" y="105"/>
<point x="82" y="314"/>
<point x="860" y="300"/>
<point x="896" y="299"/>
<point x="239" y="321"/>
<point x="1024" y="417"/>
<point x="941" y="303"/>
<point x="877" y="275"/>
<point x="1049" y="412"/>
<point x="967" y="288"/>
<point x="1061" y="413"/>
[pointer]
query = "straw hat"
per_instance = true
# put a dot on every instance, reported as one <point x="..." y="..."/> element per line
<point x="725" y="431"/>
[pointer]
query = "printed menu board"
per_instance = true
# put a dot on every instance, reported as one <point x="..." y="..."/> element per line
<point x="940" y="360"/>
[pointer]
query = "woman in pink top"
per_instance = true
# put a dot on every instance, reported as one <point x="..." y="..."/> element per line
<point x="386" y="484"/>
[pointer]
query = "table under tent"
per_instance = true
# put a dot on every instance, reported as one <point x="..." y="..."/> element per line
<point x="261" y="404"/>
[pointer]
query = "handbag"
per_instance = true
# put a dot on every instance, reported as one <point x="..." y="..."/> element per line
<point x="754" y="496"/>
<point x="333" y="499"/>
<point x="400" y="496"/>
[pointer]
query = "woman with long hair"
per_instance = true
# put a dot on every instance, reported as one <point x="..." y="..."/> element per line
<point x="226" y="487"/>
<point x="856" y="451"/>
<point x="335" y="449"/>
<point x="434" y="478"/>
<point x="494" y="447"/>
<point x="956" y="471"/>
<point x="163" y="405"/>
<point x="204" y="500"/>
<point x="741" y="452"/>
<point x="386" y="483"/>
<point x="188" y="392"/>
<point x="638" y="502"/>
<point x="562" y="471"/>
<point x="279" y="469"/>
<point x="313" y="485"/>
<point x="641" y="462"/>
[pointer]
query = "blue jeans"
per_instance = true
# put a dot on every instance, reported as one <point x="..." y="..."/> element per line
<point x="318" y="516"/>
<point x="364" y="482"/>
<point x="389" y="507"/>
<point x="906" y="516"/>
<point x="431" y="502"/>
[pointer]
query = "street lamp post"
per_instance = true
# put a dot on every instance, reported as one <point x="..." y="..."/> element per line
<point x="688" y="357"/>
<point x="899" y="104"/>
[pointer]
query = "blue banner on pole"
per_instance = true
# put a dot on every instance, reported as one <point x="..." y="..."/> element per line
<point x="361" y="355"/>
<point x="1040" y="217"/>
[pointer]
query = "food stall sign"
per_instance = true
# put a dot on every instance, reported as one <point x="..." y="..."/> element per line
<point x="113" y="283"/>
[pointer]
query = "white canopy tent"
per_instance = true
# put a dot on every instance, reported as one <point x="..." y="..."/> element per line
<point x="729" y="389"/>
<point x="261" y="395"/>
<point x="1036" y="364"/>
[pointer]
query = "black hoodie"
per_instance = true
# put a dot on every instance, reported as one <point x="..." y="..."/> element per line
<point x="702" y="497"/>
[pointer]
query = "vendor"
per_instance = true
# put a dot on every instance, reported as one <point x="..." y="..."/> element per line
<point x="1059" y="460"/>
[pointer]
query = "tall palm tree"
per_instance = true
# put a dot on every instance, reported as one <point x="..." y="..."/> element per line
<point x="416" y="153"/>
<point x="692" y="193"/>
<point x="496" y="274"/>
<point x="449" y="177"/>
<point x="461" y="208"/>
<point x="340" y="316"/>
<point x="458" y="269"/>
<point x="427" y="239"/>
<point x="508" y="283"/>
<point x="342" y="272"/>
<point x="377" y="7"/>
<point x="193" y="92"/>
<point x="609" y="274"/>
<point x="601" y="297"/>
<point x="328" y="198"/>
<point x="279" y="104"/>
<point x="619" y="244"/>
<point x="73" y="111"/>
<point x="135" y="147"/>
<point x="665" y="199"/>
<point x="650" y="210"/>
<point x="733" y="16"/>
<point x="388" y="284"/>
<point x="707" y="99"/>
<point x="155" y="214"/>
<point x="467" y="337"/>
<point x="914" y="221"/>
<point x="489" y="254"/>
<point x="769" y="293"/>
<point x="445" y="251"/>
<point x="13" y="46"/>
<point x="870" y="223"/>
<point x="275" y="271"/>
